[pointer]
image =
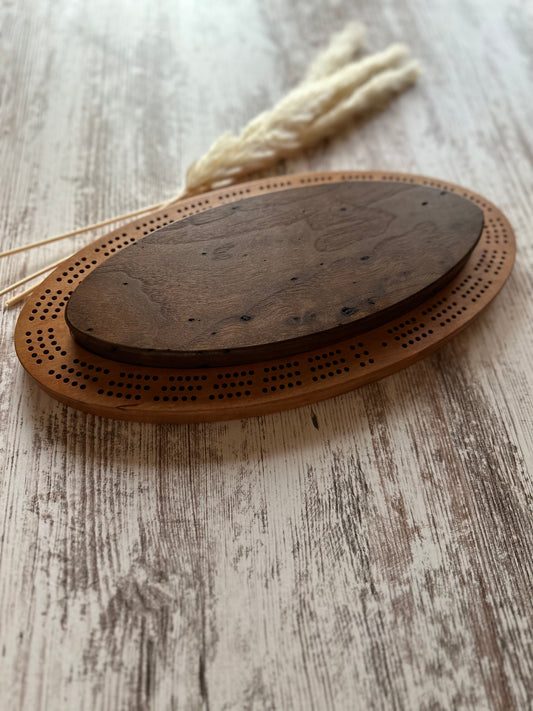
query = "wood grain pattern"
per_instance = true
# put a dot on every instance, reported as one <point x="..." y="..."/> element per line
<point x="369" y="552"/>
<point x="273" y="274"/>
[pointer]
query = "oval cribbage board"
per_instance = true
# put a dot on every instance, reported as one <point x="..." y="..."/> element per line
<point x="97" y="384"/>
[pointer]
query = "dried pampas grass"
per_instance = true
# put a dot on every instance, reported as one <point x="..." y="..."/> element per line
<point x="334" y="91"/>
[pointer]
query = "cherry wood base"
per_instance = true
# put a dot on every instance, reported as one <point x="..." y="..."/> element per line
<point x="95" y="384"/>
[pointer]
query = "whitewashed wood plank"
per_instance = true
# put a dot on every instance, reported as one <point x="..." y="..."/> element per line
<point x="372" y="551"/>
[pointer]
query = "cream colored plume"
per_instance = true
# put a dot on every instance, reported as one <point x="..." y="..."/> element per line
<point x="335" y="90"/>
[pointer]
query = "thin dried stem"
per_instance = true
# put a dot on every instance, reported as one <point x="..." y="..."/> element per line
<point x="22" y="296"/>
<point x="20" y="282"/>
<point x="81" y="230"/>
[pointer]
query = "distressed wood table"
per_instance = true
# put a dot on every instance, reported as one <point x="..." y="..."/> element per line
<point x="371" y="552"/>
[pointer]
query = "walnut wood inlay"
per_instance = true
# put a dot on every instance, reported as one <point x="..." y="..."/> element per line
<point x="274" y="274"/>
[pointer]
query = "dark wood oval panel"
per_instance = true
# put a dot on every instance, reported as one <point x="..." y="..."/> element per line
<point x="274" y="274"/>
